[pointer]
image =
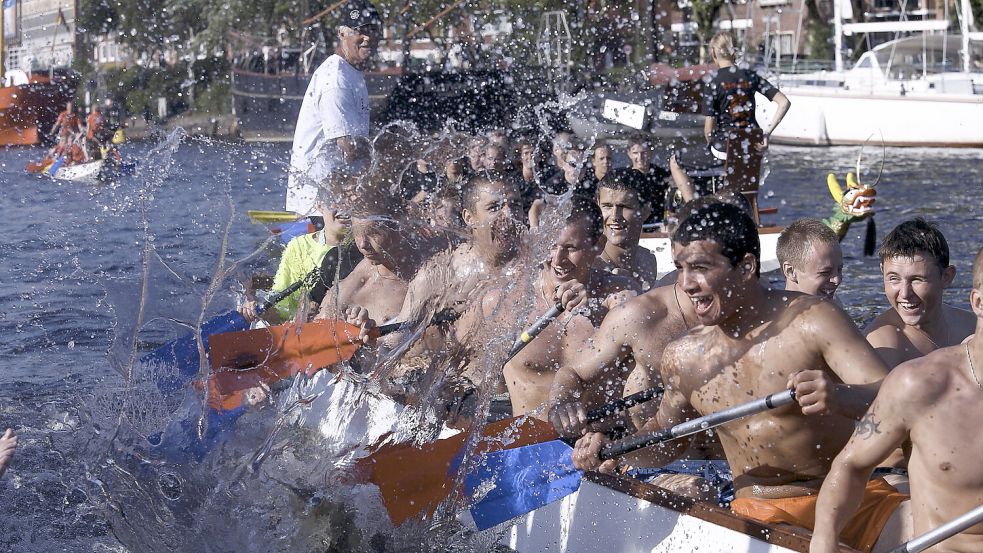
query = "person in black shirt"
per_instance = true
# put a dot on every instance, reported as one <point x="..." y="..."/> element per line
<point x="730" y="101"/>
<point x="650" y="179"/>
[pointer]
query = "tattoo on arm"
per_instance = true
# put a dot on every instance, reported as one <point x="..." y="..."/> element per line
<point x="867" y="426"/>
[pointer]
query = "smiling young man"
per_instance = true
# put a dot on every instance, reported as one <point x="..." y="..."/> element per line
<point x="751" y="342"/>
<point x="916" y="270"/>
<point x="623" y="212"/>
<point x="335" y="112"/>
<point x="811" y="258"/>
<point x="587" y="294"/>
<point x="936" y="402"/>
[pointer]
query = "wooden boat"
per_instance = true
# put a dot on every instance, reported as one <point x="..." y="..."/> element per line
<point x="613" y="513"/>
<point x="658" y="243"/>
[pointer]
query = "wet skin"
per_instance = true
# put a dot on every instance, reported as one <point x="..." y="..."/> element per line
<point x="587" y="295"/>
<point x="918" y="322"/>
<point x="820" y="273"/>
<point x="623" y="217"/>
<point x="755" y="342"/>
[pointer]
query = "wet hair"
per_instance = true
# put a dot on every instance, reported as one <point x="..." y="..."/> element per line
<point x="598" y="145"/>
<point x="796" y="239"/>
<point x="913" y="237"/>
<point x="723" y="197"/>
<point x="727" y="225"/>
<point x="639" y="139"/>
<point x="474" y="183"/>
<point x="585" y="212"/>
<point x="723" y="43"/>
<point x="978" y="271"/>
<point x="623" y="179"/>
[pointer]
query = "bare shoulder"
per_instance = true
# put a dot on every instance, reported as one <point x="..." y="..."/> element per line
<point x="647" y="263"/>
<point x="685" y="351"/>
<point x="610" y="283"/>
<point x="885" y="330"/>
<point x="923" y="380"/>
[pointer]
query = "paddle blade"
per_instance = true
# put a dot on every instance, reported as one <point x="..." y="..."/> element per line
<point x="182" y="353"/>
<point x="520" y="481"/>
<point x="258" y="216"/>
<point x="413" y="481"/>
<point x="870" y="238"/>
<point x="289" y="231"/>
<point x="245" y="359"/>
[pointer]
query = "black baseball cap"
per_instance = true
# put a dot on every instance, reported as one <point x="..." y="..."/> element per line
<point x="360" y="14"/>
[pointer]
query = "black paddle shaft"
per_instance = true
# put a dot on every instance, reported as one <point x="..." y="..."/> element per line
<point x="620" y="405"/>
<point x="771" y="401"/>
<point x="534" y="330"/>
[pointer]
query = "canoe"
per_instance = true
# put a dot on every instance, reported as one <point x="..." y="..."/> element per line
<point x="615" y="513"/>
<point x="80" y="172"/>
<point x="658" y="244"/>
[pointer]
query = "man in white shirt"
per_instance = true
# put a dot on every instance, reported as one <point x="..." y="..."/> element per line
<point x="335" y="110"/>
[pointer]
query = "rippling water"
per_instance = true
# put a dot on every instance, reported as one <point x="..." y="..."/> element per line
<point x="70" y="266"/>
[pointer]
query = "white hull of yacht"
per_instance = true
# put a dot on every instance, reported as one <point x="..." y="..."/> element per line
<point x="826" y="116"/>
<point x="610" y="513"/>
<point x="658" y="244"/>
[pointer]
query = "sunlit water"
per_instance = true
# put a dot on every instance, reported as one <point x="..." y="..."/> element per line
<point x="71" y="267"/>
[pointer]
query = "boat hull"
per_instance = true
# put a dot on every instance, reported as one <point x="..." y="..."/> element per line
<point x="29" y="110"/>
<point x="835" y="117"/>
<point x="658" y="244"/>
<point x="610" y="513"/>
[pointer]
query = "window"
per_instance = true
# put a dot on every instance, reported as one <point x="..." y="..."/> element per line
<point x="778" y="44"/>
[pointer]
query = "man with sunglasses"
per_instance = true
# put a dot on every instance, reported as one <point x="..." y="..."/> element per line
<point x="334" y="116"/>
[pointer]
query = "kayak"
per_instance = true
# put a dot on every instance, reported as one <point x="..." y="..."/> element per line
<point x="658" y="243"/>
<point x="615" y="513"/>
<point x="92" y="171"/>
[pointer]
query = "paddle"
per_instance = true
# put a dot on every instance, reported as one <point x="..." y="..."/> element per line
<point x="182" y="353"/>
<point x="942" y="533"/>
<point x="413" y="480"/>
<point x="541" y="323"/>
<point x="524" y="479"/>
<point x="258" y="216"/>
<point x="249" y="358"/>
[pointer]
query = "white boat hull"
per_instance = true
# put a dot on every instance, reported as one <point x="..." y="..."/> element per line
<point x="659" y="245"/>
<point x="82" y="172"/>
<point x="829" y="116"/>
<point x="638" y="517"/>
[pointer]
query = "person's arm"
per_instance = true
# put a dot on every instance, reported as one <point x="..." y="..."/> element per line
<point x="783" y="103"/>
<point x="605" y="356"/>
<point x="885" y="426"/>
<point x="886" y="339"/>
<point x="674" y="409"/>
<point x="709" y="124"/>
<point x="681" y="180"/>
<point x="848" y="355"/>
<point x="8" y="444"/>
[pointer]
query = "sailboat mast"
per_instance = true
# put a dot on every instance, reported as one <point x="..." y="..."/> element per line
<point x="838" y="34"/>
<point x="3" y="42"/>
<point x="964" y="30"/>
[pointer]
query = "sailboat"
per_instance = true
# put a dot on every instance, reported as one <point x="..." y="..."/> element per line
<point x="905" y="92"/>
<point x="30" y="102"/>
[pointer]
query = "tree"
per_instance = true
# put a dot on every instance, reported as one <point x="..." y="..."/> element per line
<point x="704" y="15"/>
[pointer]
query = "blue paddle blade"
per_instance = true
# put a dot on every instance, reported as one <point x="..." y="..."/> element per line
<point x="289" y="231"/>
<point x="180" y="443"/>
<point x="56" y="165"/>
<point x="183" y="352"/>
<point x="521" y="480"/>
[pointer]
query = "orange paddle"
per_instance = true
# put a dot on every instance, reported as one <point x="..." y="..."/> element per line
<point x="249" y="358"/>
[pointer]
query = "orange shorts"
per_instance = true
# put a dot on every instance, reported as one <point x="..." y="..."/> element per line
<point x="861" y="532"/>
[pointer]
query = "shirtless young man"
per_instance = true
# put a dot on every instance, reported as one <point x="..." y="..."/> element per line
<point x="624" y="214"/>
<point x="915" y="265"/>
<point x="589" y="292"/>
<point x="936" y="402"/>
<point x="752" y="342"/>
<point x="811" y="258"/>
<point x="393" y="251"/>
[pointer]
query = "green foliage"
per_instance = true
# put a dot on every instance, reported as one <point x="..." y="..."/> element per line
<point x="704" y="15"/>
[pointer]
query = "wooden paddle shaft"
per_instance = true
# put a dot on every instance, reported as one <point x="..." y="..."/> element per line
<point x="535" y="329"/>
<point x="942" y="533"/>
<point x="694" y="426"/>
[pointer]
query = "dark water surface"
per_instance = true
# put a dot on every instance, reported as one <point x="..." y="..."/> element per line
<point x="71" y="261"/>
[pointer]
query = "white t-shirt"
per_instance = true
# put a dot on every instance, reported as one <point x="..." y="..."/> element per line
<point x="336" y="104"/>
